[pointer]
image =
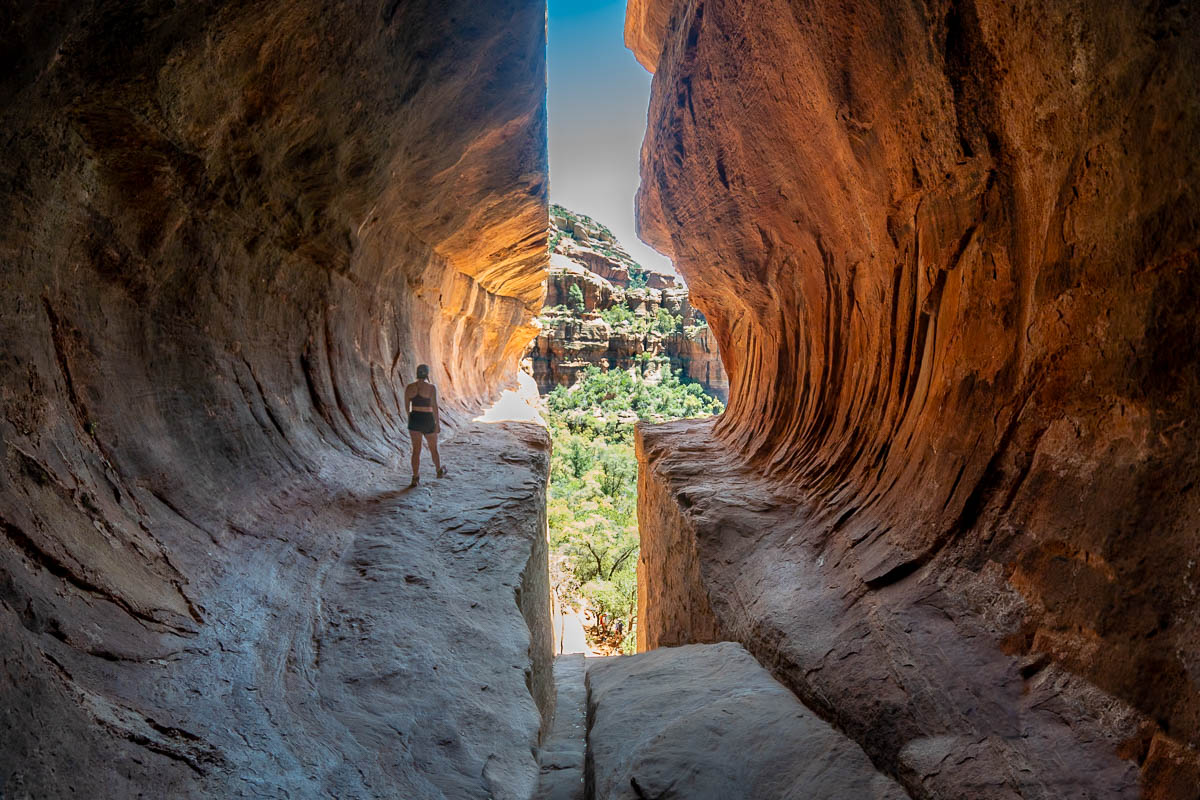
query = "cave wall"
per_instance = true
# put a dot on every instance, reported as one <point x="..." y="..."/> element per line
<point x="949" y="253"/>
<point x="228" y="233"/>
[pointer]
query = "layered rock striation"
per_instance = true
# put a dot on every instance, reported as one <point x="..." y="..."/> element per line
<point x="949" y="254"/>
<point x="229" y="232"/>
<point x="604" y="309"/>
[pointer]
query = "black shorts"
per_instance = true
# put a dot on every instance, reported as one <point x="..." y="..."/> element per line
<point x="422" y="422"/>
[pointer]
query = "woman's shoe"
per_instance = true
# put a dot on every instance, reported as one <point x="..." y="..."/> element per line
<point x="441" y="473"/>
<point x="415" y="481"/>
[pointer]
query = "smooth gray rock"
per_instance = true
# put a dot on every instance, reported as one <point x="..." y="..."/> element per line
<point x="707" y="721"/>
<point x="368" y="641"/>
<point x="564" y="749"/>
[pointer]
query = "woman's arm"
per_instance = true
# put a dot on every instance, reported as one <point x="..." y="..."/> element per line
<point x="437" y="414"/>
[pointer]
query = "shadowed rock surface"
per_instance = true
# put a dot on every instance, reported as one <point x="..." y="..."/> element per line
<point x="949" y="253"/>
<point x="564" y="747"/>
<point x="706" y="721"/>
<point x="911" y="670"/>
<point x="229" y="232"/>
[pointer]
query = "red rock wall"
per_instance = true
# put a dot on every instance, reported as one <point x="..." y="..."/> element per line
<point x="949" y="253"/>
<point x="229" y="232"/>
<point x="696" y="354"/>
<point x="673" y="603"/>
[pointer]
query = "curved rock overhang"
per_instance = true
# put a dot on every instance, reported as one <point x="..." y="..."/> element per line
<point x="950" y="254"/>
<point x="229" y="232"/>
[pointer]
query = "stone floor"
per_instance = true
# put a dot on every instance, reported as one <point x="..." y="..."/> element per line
<point x="357" y="639"/>
<point x="702" y="722"/>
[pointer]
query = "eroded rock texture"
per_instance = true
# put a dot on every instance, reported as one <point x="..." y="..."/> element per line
<point x="949" y="253"/>
<point x="229" y="231"/>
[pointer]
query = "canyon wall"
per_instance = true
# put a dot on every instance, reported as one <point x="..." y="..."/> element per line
<point x="615" y="317"/>
<point x="229" y="232"/>
<point x="949" y="253"/>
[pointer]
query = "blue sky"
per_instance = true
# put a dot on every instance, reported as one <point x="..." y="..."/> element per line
<point x="597" y="106"/>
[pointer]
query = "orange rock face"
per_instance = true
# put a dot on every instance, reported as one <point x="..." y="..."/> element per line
<point x="695" y="353"/>
<point x="949" y="253"/>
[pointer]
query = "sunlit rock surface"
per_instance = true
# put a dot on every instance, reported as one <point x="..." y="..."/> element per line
<point x="586" y="256"/>
<point x="229" y="232"/>
<point x="949" y="254"/>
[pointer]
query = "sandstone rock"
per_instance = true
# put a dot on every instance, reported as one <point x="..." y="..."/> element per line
<point x="913" y="671"/>
<point x="600" y="263"/>
<point x="579" y="232"/>
<point x="643" y="302"/>
<point x="676" y="302"/>
<point x="693" y="351"/>
<point x="570" y="342"/>
<point x="229" y="233"/>
<point x="598" y="293"/>
<point x="706" y="721"/>
<point x="591" y="245"/>
<point x="646" y="29"/>
<point x="567" y="344"/>
<point x="657" y="280"/>
<point x="949" y="254"/>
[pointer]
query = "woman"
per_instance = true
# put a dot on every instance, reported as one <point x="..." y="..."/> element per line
<point x="421" y="404"/>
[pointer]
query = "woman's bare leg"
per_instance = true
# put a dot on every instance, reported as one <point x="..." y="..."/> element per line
<point x="431" y="440"/>
<point x="416" y="453"/>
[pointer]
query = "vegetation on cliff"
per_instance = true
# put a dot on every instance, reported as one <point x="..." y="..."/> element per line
<point x="618" y="344"/>
<point x="624" y="322"/>
<point x="587" y="232"/>
<point x="593" y="482"/>
<point x="602" y="308"/>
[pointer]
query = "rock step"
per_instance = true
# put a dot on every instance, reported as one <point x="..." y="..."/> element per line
<point x="563" y="752"/>
<point x="707" y="721"/>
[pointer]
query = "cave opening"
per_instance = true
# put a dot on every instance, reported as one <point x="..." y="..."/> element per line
<point x="619" y="341"/>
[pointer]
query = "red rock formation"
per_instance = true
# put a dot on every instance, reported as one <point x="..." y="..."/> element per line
<point x="229" y="233"/>
<point x="565" y="273"/>
<point x="571" y="340"/>
<point x="602" y="265"/>
<point x="589" y="245"/>
<point x="567" y="345"/>
<point x="707" y="722"/>
<point x="949" y="253"/>
<point x="693" y="351"/>
<point x="656" y="280"/>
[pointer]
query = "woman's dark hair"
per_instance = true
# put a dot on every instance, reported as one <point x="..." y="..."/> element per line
<point x="422" y="372"/>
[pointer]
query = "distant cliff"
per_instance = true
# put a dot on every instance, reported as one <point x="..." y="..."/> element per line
<point x="603" y="308"/>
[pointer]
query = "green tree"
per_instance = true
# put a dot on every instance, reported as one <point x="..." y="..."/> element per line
<point x="618" y="316"/>
<point x="617" y="472"/>
<point x="579" y="456"/>
<point x="667" y="323"/>
<point x="575" y="298"/>
<point x="592" y="508"/>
